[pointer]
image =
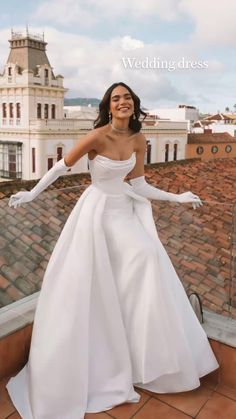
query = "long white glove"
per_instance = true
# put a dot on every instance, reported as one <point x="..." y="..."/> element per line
<point x="21" y="197"/>
<point x="141" y="187"/>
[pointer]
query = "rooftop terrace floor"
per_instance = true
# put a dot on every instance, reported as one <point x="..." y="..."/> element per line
<point x="209" y="401"/>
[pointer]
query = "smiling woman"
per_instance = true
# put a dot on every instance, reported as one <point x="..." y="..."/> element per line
<point x="119" y="103"/>
<point x="124" y="317"/>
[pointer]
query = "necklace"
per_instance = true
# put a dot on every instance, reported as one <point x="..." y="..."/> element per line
<point x="118" y="129"/>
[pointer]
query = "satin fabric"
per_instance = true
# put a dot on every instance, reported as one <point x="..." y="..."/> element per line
<point x="112" y="311"/>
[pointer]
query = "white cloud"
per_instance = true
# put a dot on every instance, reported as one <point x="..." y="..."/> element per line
<point x="214" y="22"/>
<point x="89" y="66"/>
<point x="129" y="43"/>
<point x="65" y="12"/>
<point x="4" y="47"/>
<point x="86" y="13"/>
<point x="166" y="10"/>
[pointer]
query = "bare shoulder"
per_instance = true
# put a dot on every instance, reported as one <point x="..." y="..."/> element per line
<point x="95" y="134"/>
<point x="88" y="143"/>
<point x="94" y="137"/>
<point x="99" y="133"/>
<point x="140" y="142"/>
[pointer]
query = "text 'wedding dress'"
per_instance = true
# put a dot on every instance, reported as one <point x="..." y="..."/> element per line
<point x="112" y="311"/>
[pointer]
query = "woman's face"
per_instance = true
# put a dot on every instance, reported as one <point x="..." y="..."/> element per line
<point x="121" y="103"/>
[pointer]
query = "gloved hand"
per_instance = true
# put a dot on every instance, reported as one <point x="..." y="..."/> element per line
<point x="189" y="197"/>
<point x="21" y="197"/>
<point x="141" y="187"/>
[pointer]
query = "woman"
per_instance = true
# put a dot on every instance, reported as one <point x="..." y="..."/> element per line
<point x="112" y="312"/>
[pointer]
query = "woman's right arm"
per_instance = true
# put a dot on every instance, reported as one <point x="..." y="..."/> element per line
<point x="87" y="143"/>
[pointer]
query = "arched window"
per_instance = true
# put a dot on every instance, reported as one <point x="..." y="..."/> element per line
<point x="50" y="163"/>
<point x="59" y="153"/>
<point x="167" y="148"/>
<point x="149" y="149"/>
<point x="46" y="111"/>
<point x="11" y="113"/>
<point x="39" y="110"/>
<point x="18" y="113"/>
<point x="175" y="151"/>
<point x="33" y="159"/>
<point x="46" y="76"/>
<point x="53" y="111"/>
<point x="4" y="110"/>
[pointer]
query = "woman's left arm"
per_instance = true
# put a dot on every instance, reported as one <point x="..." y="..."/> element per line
<point x="141" y="187"/>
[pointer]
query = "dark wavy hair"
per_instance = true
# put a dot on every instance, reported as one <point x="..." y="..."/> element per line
<point x="104" y="105"/>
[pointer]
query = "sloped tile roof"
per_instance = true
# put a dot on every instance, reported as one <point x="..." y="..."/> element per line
<point x="199" y="243"/>
<point x="209" y="137"/>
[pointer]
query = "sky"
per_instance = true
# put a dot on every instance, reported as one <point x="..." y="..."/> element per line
<point x="169" y="52"/>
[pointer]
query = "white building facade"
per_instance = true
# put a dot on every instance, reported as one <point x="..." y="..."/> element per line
<point x="166" y="141"/>
<point x="218" y="123"/>
<point x="36" y="130"/>
<point x="183" y="113"/>
<point x="33" y="131"/>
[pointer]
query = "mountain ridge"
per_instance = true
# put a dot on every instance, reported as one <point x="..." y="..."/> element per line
<point x="81" y="101"/>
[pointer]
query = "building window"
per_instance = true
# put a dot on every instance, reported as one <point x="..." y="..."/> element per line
<point x="200" y="150"/>
<point x="228" y="148"/>
<point x="33" y="159"/>
<point x="53" y="111"/>
<point x="11" y="113"/>
<point x="167" y="147"/>
<point x="149" y="150"/>
<point x="9" y="71"/>
<point x="46" y="76"/>
<point x="4" y="110"/>
<point x="46" y="111"/>
<point x="214" y="149"/>
<point x="18" y="115"/>
<point x="10" y="159"/>
<point x="39" y="110"/>
<point x="59" y="153"/>
<point x="175" y="151"/>
<point x="50" y="163"/>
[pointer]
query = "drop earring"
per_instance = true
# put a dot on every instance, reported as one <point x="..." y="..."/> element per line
<point x="109" y="116"/>
<point x="133" y="116"/>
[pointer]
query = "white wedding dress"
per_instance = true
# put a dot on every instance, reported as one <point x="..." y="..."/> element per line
<point x="112" y="311"/>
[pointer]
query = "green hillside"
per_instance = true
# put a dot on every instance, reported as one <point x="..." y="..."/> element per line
<point x="81" y="101"/>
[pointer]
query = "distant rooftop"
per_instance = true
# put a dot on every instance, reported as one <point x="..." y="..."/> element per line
<point x="211" y="137"/>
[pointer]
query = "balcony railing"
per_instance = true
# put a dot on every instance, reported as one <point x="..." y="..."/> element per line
<point x="60" y="124"/>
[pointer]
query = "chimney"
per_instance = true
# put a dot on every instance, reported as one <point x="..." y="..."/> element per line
<point x="207" y="130"/>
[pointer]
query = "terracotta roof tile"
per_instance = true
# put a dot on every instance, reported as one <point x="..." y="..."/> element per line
<point x="199" y="242"/>
<point x="215" y="137"/>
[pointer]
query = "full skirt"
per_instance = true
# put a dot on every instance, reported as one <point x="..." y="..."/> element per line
<point x="112" y="313"/>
